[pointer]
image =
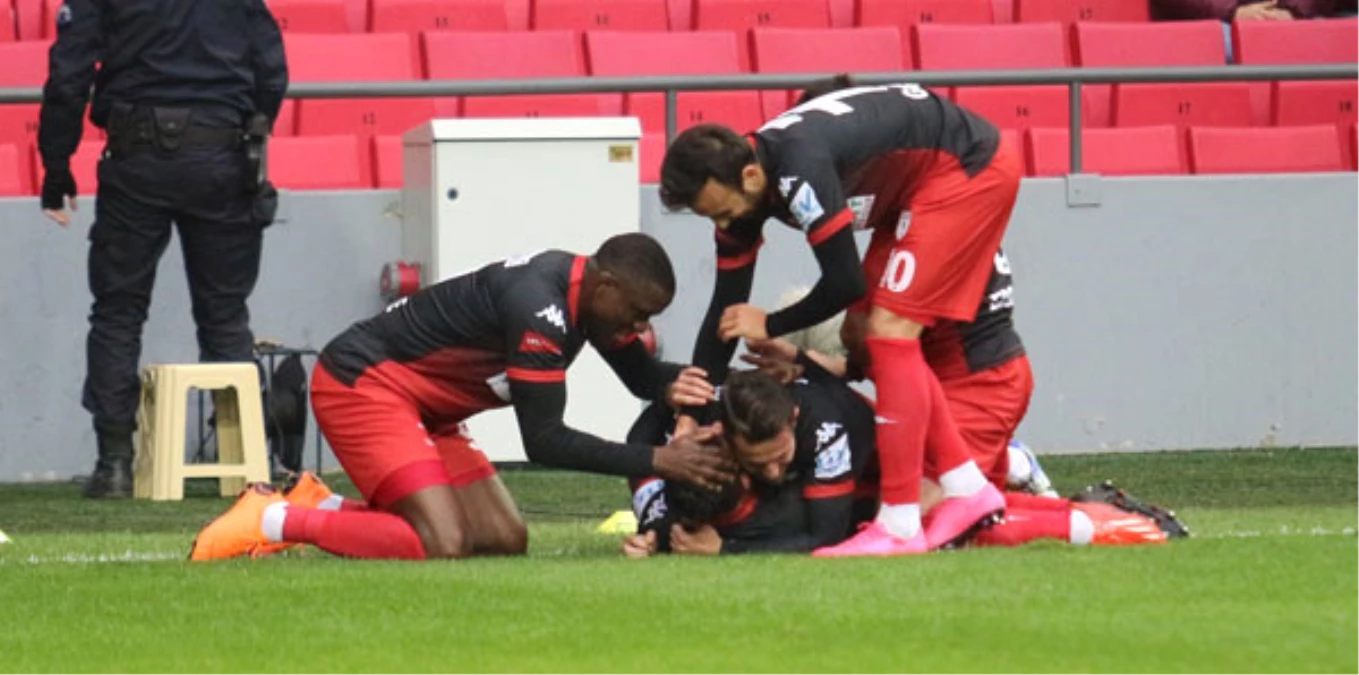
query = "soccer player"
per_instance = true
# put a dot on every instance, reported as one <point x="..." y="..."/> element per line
<point x="391" y="394"/>
<point x="936" y="184"/>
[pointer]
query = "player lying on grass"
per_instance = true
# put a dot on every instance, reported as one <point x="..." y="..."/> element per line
<point x="391" y="394"/>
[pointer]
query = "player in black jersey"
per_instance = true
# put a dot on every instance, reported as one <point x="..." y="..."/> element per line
<point x="801" y="446"/>
<point x="391" y="394"/>
<point x="935" y="184"/>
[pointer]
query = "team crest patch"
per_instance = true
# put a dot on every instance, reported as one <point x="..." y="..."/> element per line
<point x="805" y="207"/>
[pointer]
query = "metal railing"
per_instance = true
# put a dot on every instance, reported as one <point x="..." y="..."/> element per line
<point x="671" y="86"/>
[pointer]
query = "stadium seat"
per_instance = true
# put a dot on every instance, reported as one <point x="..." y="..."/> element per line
<point x="1212" y="104"/>
<point x="652" y="151"/>
<point x="1115" y="45"/>
<point x="19" y="124"/>
<point x="23" y="64"/>
<point x="379" y="57"/>
<point x="630" y="54"/>
<point x="1018" y="107"/>
<point x="1352" y="145"/>
<point x="830" y="50"/>
<point x="1003" y="11"/>
<point x="84" y="166"/>
<point x="16" y="174"/>
<point x="478" y="56"/>
<point x="906" y="13"/>
<point x="742" y="15"/>
<point x="1015" y="139"/>
<point x="8" y="26"/>
<point x="320" y="163"/>
<point x="1257" y="43"/>
<point x="1132" y="151"/>
<point x="583" y="15"/>
<point x="28" y="19"/>
<point x="517" y="11"/>
<point x="1264" y="150"/>
<point x="310" y="16"/>
<point x="1320" y="102"/>
<point x="841" y="13"/>
<point x="415" y="16"/>
<point x="681" y="14"/>
<point x="1073" y="11"/>
<point x="387" y="162"/>
<point x="1033" y="45"/>
<point x="286" y="122"/>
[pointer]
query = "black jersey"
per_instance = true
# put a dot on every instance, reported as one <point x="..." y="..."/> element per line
<point x="955" y="349"/>
<point x="502" y="334"/>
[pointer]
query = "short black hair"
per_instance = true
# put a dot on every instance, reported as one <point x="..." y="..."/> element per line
<point x="822" y="87"/>
<point x="755" y="406"/>
<point x="638" y="258"/>
<point x="693" y="504"/>
<point x="706" y="151"/>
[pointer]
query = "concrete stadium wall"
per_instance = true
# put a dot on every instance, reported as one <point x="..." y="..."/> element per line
<point x="1204" y="312"/>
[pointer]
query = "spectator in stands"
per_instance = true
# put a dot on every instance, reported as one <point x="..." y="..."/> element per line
<point x="1237" y="10"/>
<point x="179" y="85"/>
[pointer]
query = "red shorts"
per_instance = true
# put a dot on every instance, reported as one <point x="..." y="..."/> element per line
<point x="934" y="264"/>
<point x="988" y="406"/>
<point x="381" y="440"/>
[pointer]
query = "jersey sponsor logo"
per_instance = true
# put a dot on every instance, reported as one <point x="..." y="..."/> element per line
<point x="500" y="386"/>
<point x="903" y="225"/>
<point x="1001" y="299"/>
<point x="834" y="460"/>
<point x="521" y="259"/>
<point x="805" y="207"/>
<point x="786" y="184"/>
<point x="553" y="315"/>
<point x="648" y="503"/>
<point x="862" y="206"/>
<point x="534" y="342"/>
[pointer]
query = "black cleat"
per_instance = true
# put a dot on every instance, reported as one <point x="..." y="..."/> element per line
<point x="112" y="479"/>
<point x="1108" y="493"/>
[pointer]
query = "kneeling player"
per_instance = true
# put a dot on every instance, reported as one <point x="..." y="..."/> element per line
<point x="391" y="394"/>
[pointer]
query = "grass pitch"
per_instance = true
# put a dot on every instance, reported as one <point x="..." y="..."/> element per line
<point x="1268" y="584"/>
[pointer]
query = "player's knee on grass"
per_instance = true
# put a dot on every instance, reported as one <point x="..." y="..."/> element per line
<point x="495" y="523"/>
<point x="438" y="518"/>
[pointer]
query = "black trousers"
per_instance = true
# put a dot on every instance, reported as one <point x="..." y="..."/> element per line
<point x="140" y="195"/>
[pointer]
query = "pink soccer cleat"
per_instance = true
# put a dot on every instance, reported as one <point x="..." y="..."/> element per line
<point x="956" y="519"/>
<point x="874" y="540"/>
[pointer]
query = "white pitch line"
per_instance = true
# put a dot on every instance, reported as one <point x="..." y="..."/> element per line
<point x="1286" y="531"/>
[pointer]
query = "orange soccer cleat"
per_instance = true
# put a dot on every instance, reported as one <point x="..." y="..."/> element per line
<point x="1115" y="527"/>
<point x="307" y="491"/>
<point x="240" y="530"/>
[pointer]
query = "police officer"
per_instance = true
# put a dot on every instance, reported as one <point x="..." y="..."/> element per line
<point x="187" y="90"/>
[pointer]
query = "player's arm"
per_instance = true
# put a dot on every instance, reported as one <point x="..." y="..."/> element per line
<point x="644" y="375"/>
<point x="830" y="512"/>
<point x="71" y="70"/>
<point x="737" y="250"/>
<point x="539" y="403"/>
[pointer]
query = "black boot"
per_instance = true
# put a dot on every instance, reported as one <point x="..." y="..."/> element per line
<point x="112" y="477"/>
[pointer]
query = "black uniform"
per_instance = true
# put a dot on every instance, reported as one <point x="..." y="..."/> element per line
<point x="814" y="505"/>
<point x="175" y="83"/>
<point x="503" y="334"/>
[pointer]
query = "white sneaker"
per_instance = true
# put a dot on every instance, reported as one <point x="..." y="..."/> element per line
<point x="1026" y="473"/>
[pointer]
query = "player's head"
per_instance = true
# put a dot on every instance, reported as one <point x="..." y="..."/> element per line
<point x="714" y="171"/>
<point x="822" y="87"/>
<point x="758" y="416"/>
<point x="628" y="281"/>
<point x="691" y="505"/>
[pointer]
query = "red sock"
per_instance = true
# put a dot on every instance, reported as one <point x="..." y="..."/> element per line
<point x="354" y="505"/>
<point x="1022" y="526"/>
<point x="354" y="534"/>
<point x="1024" y="500"/>
<point x="943" y="444"/>
<point x="903" y="410"/>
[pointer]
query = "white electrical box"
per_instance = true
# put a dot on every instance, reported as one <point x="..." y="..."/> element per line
<point x="479" y="190"/>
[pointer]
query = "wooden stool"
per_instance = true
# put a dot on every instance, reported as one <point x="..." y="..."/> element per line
<point x="163" y="418"/>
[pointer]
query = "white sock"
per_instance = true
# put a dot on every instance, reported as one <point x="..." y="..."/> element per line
<point x="1082" y="528"/>
<point x="964" y="480"/>
<point x="902" y="520"/>
<point x="331" y="503"/>
<point x="272" y="523"/>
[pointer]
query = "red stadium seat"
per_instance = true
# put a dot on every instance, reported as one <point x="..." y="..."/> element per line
<point x="1073" y="11"/>
<point x="742" y="15"/>
<point x="1265" y="150"/>
<point x="1258" y="43"/>
<point x="1352" y="145"/>
<point x="518" y="13"/>
<point x="1018" y="107"/>
<point x="19" y="124"/>
<point x="681" y="14"/>
<point x="629" y="54"/>
<point x="829" y="50"/>
<point x="1132" y="151"/>
<point x="23" y="64"/>
<point x="84" y="166"/>
<point x="1114" y="45"/>
<point x="582" y="15"/>
<point x="387" y="162"/>
<point x="8" y="24"/>
<point x="415" y="16"/>
<point x="320" y="163"/>
<point x="16" y="172"/>
<point x="1003" y="10"/>
<point x="841" y="13"/>
<point x="1321" y="102"/>
<point x="652" y="151"/>
<point x="310" y="16"/>
<point x="1211" y="104"/>
<point x="313" y="58"/>
<point x="477" y="56"/>
<point x="28" y="19"/>
<point x="1033" y="45"/>
<point x="286" y="122"/>
<point x="906" y="13"/>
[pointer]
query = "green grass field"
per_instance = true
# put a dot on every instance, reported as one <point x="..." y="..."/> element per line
<point x="1268" y="584"/>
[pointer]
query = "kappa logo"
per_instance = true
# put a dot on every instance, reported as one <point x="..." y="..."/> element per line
<point x="553" y="315"/>
<point x="500" y="386"/>
<point x="805" y="207"/>
<point x="826" y="433"/>
<point x="786" y="184"/>
<point x="534" y="342"/>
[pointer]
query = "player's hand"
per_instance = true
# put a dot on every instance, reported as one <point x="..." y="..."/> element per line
<point x="695" y="459"/>
<point x="701" y="541"/>
<point x="1262" y="11"/>
<point x="640" y="546"/>
<point x="783" y="371"/>
<point x="58" y="194"/>
<point x="691" y="388"/>
<point x="685" y="425"/>
<point x="743" y="321"/>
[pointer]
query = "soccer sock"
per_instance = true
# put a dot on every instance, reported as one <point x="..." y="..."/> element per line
<point x="903" y="414"/>
<point x="1024" y="500"/>
<point x="1081" y="527"/>
<point x="1022" y="526"/>
<point x="959" y="476"/>
<point x="354" y="534"/>
<point x="338" y="503"/>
